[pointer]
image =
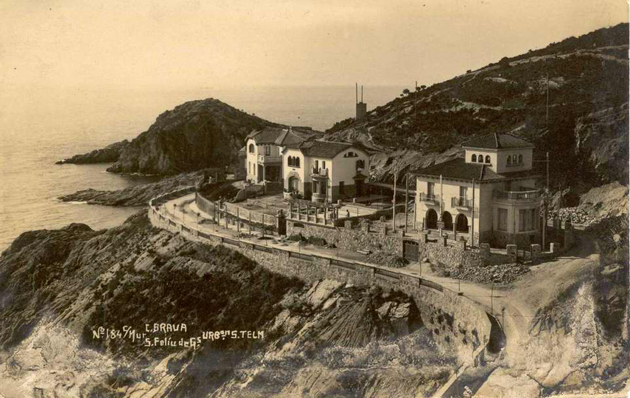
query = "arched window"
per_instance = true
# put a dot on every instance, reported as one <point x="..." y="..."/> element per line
<point x="360" y="164"/>
<point x="520" y="159"/>
<point x="474" y="158"/>
<point x="480" y="158"/>
<point x="488" y="159"/>
<point x="514" y="159"/>
<point x="509" y="160"/>
<point x="297" y="162"/>
<point x="251" y="148"/>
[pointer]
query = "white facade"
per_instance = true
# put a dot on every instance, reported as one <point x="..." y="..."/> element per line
<point x="501" y="160"/>
<point x="259" y="160"/>
<point x="322" y="177"/>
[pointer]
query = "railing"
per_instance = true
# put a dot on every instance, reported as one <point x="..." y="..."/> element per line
<point x="518" y="195"/>
<point x="424" y="197"/>
<point x="319" y="172"/>
<point x="269" y="159"/>
<point x="461" y="202"/>
<point x="165" y="221"/>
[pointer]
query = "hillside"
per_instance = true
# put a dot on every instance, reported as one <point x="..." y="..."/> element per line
<point x="587" y="127"/>
<point x="192" y="136"/>
<point x="59" y="286"/>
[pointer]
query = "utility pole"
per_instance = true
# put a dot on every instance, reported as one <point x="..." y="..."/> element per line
<point x="492" y="299"/>
<point x="547" y="114"/>
<point x="407" y="195"/>
<point x="394" y="198"/>
<point x="472" y="223"/>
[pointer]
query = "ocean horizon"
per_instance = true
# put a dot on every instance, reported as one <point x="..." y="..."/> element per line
<point x="39" y="127"/>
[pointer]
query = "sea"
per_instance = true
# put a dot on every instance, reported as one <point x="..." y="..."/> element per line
<point x="39" y="126"/>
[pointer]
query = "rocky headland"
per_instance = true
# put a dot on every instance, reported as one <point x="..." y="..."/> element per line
<point x="138" y="195"/>
<point x="192" y="136"/>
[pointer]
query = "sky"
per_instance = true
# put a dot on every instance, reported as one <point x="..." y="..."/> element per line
<point x="197" y="43"/>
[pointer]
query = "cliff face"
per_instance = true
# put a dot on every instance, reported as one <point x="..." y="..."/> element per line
<point x="59" y="287"/>
<point x="192" y="136"/>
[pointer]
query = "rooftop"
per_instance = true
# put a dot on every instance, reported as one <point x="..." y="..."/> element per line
<point x="460" y="170"/>
<point x="324" y="149"/>
<point x="497" y="141"/>
<point x="283" y="136"/>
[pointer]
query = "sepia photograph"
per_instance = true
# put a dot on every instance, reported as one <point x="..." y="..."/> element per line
<point x="314" y="199"/>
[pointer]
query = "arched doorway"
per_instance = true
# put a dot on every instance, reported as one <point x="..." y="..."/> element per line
<point x="431" y="219"/>
<point x="461" y="223"/>
<point x="294" y="184"/>
<point x="448" y="221"/>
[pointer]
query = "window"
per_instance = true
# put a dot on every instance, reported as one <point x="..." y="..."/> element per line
<point x="502" y="222"/>
<point x="252" y="149"/>
<point x="509" y="160"/>
<point x="430" y="190"/>
<point x="514" y="159"/>
<point x="297" y="162"/>
<point x="267" y="150"/>
<point x="480" y="158"/>
<point x="488" y="159"/>
<point x="463" y="192"/>
<point x="316" y="164"/>
<point x="526" y="220"/>
<point x="360" y="164"/>
<point x="342" y="188"/>
<point x="474" y="158"/>
<point x="323" y="164"/>
<point x="520" y="159"/>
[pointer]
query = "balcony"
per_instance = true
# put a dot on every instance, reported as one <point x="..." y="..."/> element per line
<point x="267" y="159"/>
<point x="319" y="173"/>
<point x="460" y="202"/>
<point x="525" y="195"/>
<point x="429" y="198"/>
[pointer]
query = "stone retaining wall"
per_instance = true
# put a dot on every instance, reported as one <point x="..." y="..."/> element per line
<point x="362" y="238"/>
<point x="456" y="322"/>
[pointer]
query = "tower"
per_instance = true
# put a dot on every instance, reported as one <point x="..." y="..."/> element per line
<point x="361" y="106"/>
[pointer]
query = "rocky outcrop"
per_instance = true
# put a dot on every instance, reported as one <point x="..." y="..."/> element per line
<point x="602" y="141"/>
<point x="192" y="136"/>
<point x="134" y="196"/>
<point x="59" y="287"/>
<point x="109" y="154"/>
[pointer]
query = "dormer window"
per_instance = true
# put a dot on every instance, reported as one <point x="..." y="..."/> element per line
<point x="474" y="158"/>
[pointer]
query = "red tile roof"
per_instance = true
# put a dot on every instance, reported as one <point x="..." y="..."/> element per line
<point x="282" y="136"/>
<point x="497" y="141"/>
<point x="460" y="170"/>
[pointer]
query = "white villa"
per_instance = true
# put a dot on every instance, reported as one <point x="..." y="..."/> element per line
<point x="306" y="165"/>
<point x="492" y="192"/>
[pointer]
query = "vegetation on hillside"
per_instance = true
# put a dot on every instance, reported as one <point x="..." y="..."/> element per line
<point x="585" y="76"/>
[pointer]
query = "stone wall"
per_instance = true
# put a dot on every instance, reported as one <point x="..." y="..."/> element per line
<point x="456" y="322"/>
<point x="348" y="239"/>
<point x="364" y="239"/>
